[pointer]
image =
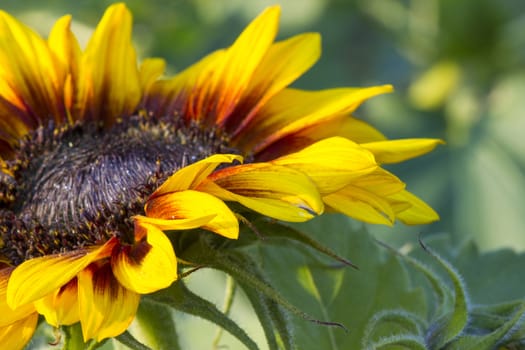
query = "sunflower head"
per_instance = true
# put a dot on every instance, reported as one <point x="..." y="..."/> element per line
<point x="107" y="169"/>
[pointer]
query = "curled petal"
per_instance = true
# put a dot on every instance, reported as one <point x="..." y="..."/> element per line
<point x="411" y="210"/>
<point x="106" y="308"/>
<point x="368" y="198"/>
<point x="361" y="205"/>
<point x="177" y="224"/>
<point x="190" y="176"/>
<point x="331" y="163"/>
<point x="148" y="265"/>
<point x="194" y="204"/>
<point x="28" y="282"/>
<point x="277" y="191"/>
<point x="61" y="307"/>
<point x="395" y="151"/>
<point x="15" y="335"/>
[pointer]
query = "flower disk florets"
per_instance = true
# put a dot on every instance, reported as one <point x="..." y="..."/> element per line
<point x="77" y="186"/>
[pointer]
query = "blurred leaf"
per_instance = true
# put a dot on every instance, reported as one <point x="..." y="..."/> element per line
<point x="434" y="86"/>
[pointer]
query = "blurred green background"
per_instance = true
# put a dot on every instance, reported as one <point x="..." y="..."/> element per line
<point x="458" y="67"/>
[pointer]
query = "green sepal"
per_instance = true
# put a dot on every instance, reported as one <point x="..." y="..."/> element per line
<point x="399" y="342"/>
<point x="448" y="327"/>
<point x="488" y="341"/>
<point x="180" y="298"/>
<point x="408" y="322"/>
<point x="439" y="287"/>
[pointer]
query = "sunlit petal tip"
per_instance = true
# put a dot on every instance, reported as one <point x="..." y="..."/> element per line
<point x="394" y="151"/>
<point x="190" y="176"/>
<point x="413" y="210"/>
<point x="147" y="265"/>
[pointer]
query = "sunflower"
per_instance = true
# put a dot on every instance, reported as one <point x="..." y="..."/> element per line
<point x="100" y="158"/>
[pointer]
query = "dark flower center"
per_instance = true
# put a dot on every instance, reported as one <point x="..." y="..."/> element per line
<point x="78" y="185"/>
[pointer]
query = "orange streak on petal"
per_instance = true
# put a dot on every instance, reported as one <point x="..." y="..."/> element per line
<point x="37" y="277"/>
<point x="106" y="308"/>
<point x="60" y="307"/>
<point x="149" y="264"/>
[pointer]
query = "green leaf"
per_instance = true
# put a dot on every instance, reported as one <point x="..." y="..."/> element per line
<point x="127" y="339"/>
<point x="179" y="297"/>
<point x="339" y="294"/>
<point x="157" y="325"/>
<point x="277" y="233"/>
<point x="492" y="277"/>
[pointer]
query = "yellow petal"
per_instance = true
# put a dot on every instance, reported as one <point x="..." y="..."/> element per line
<point x="16" y="335"/>
<point x="292" y="110"/>
<point x="106" y="308"/>
<point x="361" y="205"/>
<point x="60" y="307"/>
<point x="147" y="265"/>
<point x="284" y="62"/>
<point x="191" y="204"/>
<point x="191" y="175"/>
<point x="110" y="82"/>
<point x="178" y="224"/>
<point x="380" y="182"/>
<point x="36" y="278"/>
<point x="184" y="93"/>
<point x="65" y="46"/>
<point x="417" y="213"/>
<point x="10" y="315"/>
<point x="33" y="86"/>
<point x="276" y="191"/>
<point x="150" y="70"/>
<point x="395" y="151"/>
<point x="331" y="163"/>
<point x="234" y="73"/>
<point x="212" y="88"/>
